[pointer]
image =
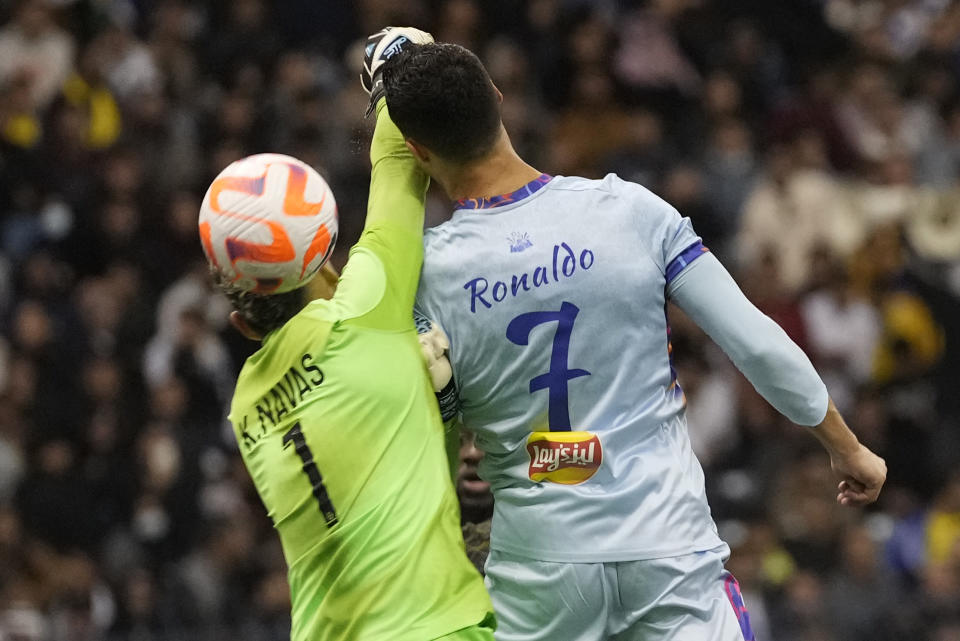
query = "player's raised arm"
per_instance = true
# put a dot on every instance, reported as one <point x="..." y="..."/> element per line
<point x="777" y="368"/>
<point x="394" y="225"/>
<point x="397" y="185"/>
<point x="380" y="280"/>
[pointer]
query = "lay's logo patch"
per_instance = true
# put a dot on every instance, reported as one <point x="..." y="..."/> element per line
<point x="564" y="457"/>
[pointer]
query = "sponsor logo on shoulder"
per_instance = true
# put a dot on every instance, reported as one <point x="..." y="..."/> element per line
<point x="568" y="458"/>
<point x="519" y="241"/>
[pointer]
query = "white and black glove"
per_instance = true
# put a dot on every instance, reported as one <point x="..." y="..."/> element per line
<point x="434" y="345"/>
<point x="382" y="46"/>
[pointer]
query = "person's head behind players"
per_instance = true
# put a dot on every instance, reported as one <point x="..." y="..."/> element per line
<point x="442" y="99"/>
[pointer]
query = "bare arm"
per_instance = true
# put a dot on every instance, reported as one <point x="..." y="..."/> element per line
<point x="861" y="472"/>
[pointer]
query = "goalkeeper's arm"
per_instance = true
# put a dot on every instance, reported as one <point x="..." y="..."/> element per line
<point x="380" y="280"/>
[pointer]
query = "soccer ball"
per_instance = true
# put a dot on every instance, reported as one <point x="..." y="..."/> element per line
<point x="268" y="223"/>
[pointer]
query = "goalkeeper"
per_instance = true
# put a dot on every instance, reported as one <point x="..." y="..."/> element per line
<point x="353" y="474"/>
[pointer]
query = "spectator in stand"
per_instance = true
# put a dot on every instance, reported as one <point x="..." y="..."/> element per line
<point x="34" y="48"/>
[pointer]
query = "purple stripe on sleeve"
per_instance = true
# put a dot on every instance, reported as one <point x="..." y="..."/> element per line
<point x="685" y="257"/>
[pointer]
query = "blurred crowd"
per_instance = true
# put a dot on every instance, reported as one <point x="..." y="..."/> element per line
<point x="814" y="143"/>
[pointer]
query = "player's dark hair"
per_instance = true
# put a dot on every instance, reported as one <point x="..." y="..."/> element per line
<point x="441" y="96"/>
<point x="262" y="312"/>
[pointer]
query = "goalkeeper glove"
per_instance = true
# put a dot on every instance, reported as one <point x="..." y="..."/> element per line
<point x="434" y="345"/>
<point x="382" y="46"/>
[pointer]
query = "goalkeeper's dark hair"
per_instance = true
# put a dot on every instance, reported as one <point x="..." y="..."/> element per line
<point x="262" y="312"/>
<point x="441" y="96"/>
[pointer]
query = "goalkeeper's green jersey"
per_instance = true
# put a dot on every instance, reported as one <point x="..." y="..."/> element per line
<point x="337" y="423"/>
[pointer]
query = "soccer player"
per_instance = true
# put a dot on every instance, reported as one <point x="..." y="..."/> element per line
<point x="553" y="293"/>
<point x="338" y="426"/>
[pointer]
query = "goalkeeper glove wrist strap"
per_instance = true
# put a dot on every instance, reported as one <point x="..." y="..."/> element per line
<point x="448" y="399"/>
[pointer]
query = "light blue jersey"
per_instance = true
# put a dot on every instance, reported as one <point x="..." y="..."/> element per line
<point x="554" y="301"/>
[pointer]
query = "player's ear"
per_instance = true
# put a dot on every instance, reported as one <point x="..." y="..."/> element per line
<point x="499" y="94"/>
<point x="419" y="152"/>
<point x="240" y="324"/>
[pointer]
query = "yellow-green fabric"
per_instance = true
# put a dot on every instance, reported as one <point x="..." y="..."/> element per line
<point x="481" y="632"/>
<point x="337" y="423"/>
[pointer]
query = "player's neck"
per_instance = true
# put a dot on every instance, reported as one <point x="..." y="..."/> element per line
<point x="500" y="172"/>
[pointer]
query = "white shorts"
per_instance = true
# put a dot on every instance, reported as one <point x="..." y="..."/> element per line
<point x="684" y="598"/>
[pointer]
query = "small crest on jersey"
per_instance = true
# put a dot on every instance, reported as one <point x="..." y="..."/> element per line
<point x="568" y="458"/>
<point x="519" y="241"/>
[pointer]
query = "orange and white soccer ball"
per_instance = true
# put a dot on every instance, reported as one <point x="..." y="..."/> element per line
<point x="268" y="223"/>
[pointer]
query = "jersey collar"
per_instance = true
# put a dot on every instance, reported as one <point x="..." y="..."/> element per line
<point x="490" y="202"/>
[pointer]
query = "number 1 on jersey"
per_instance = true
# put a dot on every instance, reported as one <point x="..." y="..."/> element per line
<point x="295" y="435"/>
<point x="555" y="380"/>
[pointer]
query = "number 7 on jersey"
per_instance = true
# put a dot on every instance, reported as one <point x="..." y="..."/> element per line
<point x="555" y="380"/>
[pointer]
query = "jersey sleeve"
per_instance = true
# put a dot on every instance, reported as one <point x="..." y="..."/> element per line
<point x="774" y="365"/>
<point x="379" y="281"/>
<point x="668" y="237"/>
